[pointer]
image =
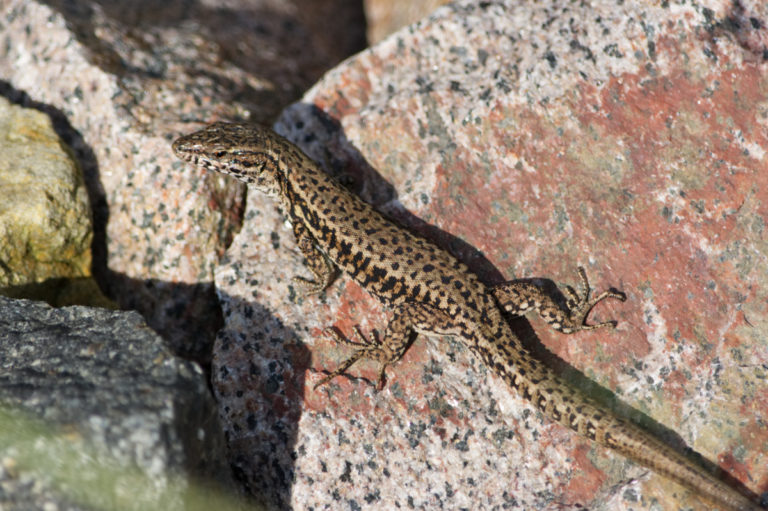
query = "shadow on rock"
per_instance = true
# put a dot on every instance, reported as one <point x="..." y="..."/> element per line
<point x="258" y="375"/>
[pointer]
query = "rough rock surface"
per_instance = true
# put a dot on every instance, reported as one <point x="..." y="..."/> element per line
<point x="45" y="215"/>
<point x="109" y="379"/>
<point x="527" y="139"/>
<point x="121" y="80"/>
<point x="524" y="137"/>
<point x="45" y="220"/>
<point x="386" y="16"/>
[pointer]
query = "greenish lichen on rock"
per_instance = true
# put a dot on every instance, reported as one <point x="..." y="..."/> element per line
<point x="45" y="217"/>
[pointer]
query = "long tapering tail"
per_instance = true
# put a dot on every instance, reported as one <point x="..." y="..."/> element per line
<point x="561" y="403"/>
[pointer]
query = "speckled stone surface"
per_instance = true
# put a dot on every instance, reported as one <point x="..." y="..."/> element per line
<point x="631" y="140"/>
<point x="386" y="16"/>
<point x="111" y="383"/>
<point x="122" y="80"/>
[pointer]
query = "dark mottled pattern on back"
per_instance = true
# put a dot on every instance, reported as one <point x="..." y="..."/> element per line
<point x="429" y="290"/>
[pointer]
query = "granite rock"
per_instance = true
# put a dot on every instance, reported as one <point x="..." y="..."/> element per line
<point x="106" y="380"/>
<point x="387" y="16"/>
<point x="526" y="138"/>
<point x="123" y="79"/>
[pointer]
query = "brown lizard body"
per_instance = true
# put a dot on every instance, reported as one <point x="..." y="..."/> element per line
<point x="431" y="292"/>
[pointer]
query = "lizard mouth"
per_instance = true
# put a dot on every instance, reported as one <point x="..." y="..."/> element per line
<point x="185" y="149"/>
<point x="191" y="150"/>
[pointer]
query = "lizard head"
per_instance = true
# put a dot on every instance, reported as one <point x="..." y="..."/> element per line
<point x="242" y="150"/>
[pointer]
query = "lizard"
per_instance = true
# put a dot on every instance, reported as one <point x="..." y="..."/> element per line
<point x="432" y="292"/>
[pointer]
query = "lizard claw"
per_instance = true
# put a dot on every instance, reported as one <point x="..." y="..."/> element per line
<point x="581" y="306"/>
<point x="365" y="349"/>
<point x="309" y="287"/>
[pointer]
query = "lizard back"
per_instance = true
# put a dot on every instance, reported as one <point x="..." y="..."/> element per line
<point x="433" y="291"/>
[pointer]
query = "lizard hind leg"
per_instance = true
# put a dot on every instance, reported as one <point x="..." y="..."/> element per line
<point x="397" y="338"/>
<point x="521" y="296"/>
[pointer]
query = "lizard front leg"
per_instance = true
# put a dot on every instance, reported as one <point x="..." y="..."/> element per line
<point x="519" y="297"/>
<point x="317" y="262"/>
<point x="407" y="321"/>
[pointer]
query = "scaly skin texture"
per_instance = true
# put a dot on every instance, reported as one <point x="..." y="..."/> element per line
<point x="431" y="292"/>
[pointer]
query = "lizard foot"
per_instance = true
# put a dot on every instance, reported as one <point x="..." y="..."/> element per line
<point x="370" y="349"/>
<point x="309" y="287"/>
<point x="579" y="306"/>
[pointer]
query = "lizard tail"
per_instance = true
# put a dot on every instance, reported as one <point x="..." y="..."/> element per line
<point x="563" y="404"/>
<point x="645" y="449"/>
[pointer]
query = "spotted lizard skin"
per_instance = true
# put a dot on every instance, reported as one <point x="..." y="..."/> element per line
<point x="431" y="292"/>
